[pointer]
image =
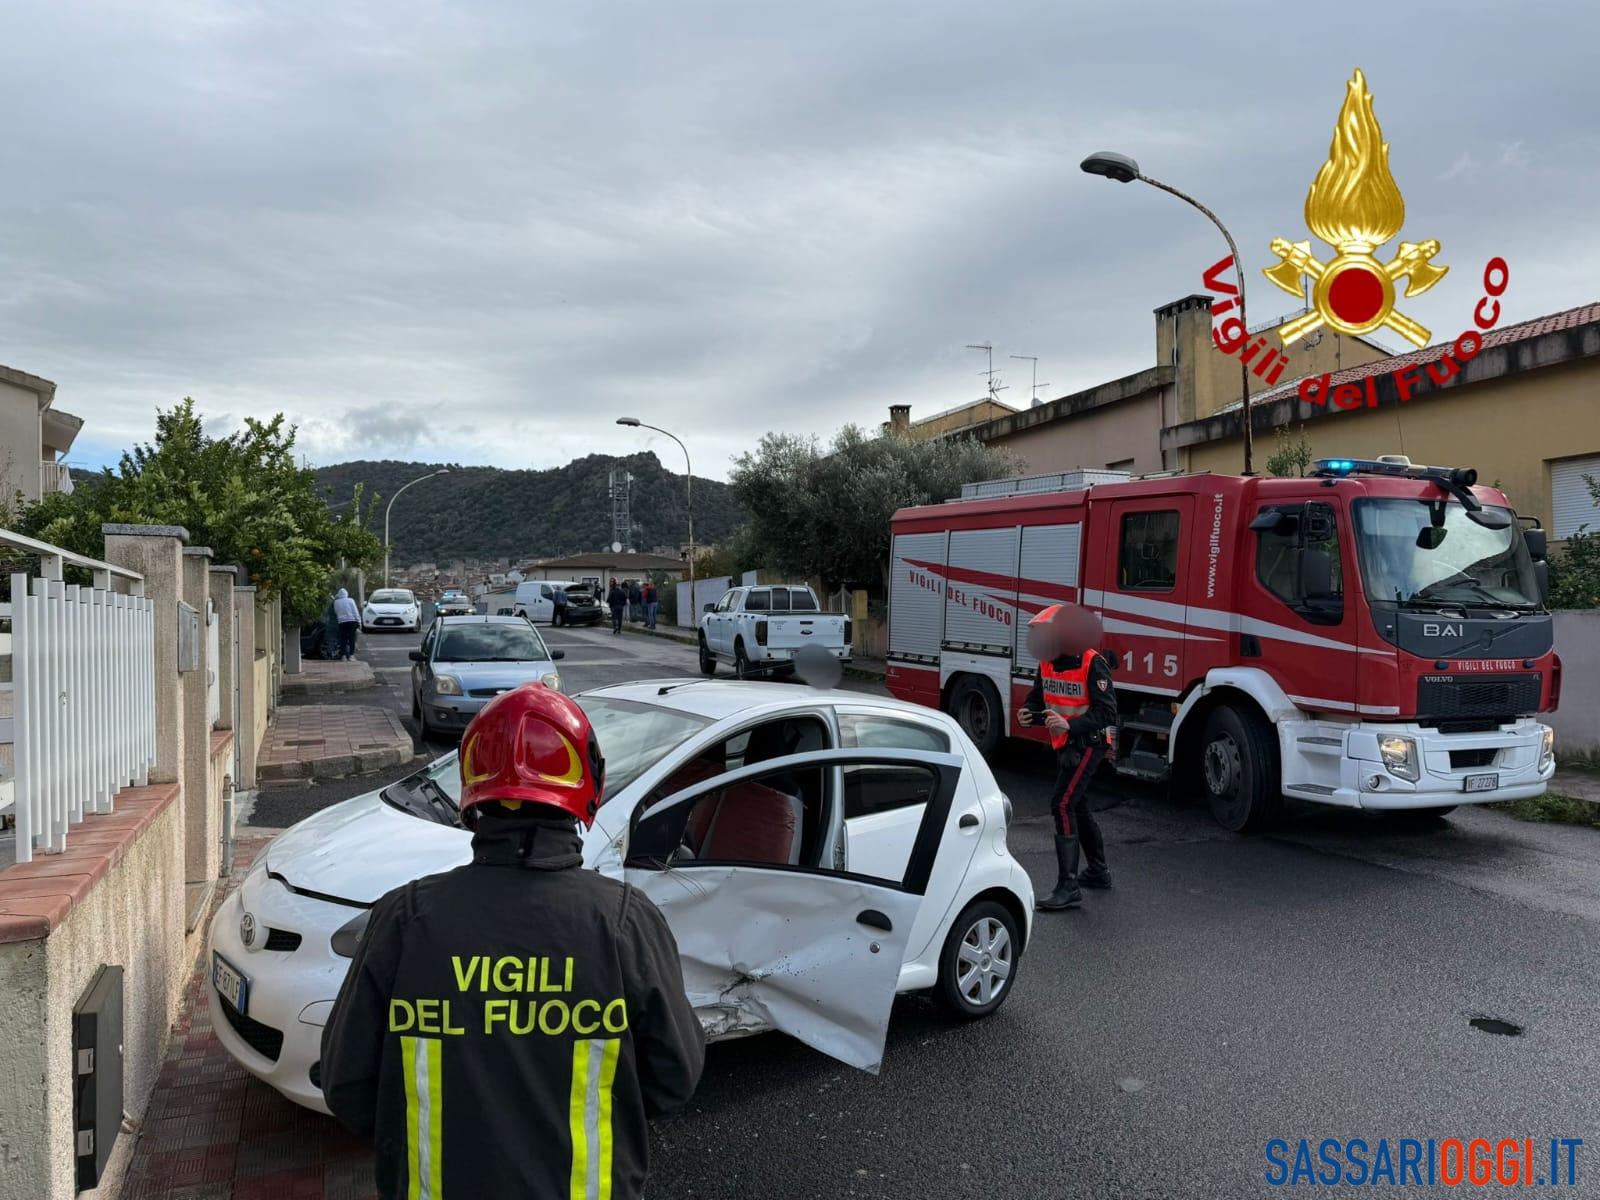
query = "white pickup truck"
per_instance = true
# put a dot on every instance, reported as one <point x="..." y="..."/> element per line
<point x="758" y="629"/>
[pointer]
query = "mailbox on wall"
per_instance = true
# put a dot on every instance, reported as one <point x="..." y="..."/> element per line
<point x="97" y="1074"/>
<point x="188" y="638"/>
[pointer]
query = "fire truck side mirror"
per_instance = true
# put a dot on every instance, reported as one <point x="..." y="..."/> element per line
<point x="1316" y="574"/>
<point x="1541" y="573"/>
<point x="1534" y="540"/>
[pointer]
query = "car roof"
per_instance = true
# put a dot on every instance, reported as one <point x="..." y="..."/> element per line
<point x="717" y="699"/>
<point x="481" y="619"/>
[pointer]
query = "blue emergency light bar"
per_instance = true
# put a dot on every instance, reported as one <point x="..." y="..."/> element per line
<point x="1460" y="477"/>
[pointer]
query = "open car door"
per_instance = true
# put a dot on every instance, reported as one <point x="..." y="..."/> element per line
<point x="770" y="936"/>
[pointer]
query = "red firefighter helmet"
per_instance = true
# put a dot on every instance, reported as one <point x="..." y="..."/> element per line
<point x="532" y="745"/>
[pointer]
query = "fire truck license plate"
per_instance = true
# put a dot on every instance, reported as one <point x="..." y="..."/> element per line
<point x="1480" y="783"/>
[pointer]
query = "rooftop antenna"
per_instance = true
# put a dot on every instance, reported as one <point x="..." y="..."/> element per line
<point x="1033" y="392"/>
<point x="988" y="348"/>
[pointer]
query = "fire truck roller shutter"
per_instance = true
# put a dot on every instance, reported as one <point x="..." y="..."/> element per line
<point x="1049" y="559"/>
<point x="916" y="595"/>
<point x="981" y="590"/>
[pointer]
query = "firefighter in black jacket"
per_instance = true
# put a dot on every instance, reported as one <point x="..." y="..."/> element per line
<point x="507" y="1027"/>
<point x="1076" y="701"/>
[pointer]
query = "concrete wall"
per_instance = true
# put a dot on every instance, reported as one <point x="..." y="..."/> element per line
<point x="132" y="917"/>
<point x="1577" y="722"/>
<point x="262" y="706"/>
<point x="1509" y="428"/>
<point x="1128" y="430"/>
<point x="19" y="441"/>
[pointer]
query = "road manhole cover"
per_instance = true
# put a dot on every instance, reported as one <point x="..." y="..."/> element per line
<point x="1495" y="1025"/>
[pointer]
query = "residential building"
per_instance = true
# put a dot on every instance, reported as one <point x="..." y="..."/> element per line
<point x="34" y="438"/>
<point x="606" y="565"/>
<point x="951" y="420"/>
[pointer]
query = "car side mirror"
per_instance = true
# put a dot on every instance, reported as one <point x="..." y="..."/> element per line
<point x="555" y="654"/>
<point x="709" y="608"/>
<point x="1534" y="540"/>
<point x="418" y="656"/>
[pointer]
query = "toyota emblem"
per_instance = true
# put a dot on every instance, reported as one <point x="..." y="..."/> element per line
<point x="247" y="929"/>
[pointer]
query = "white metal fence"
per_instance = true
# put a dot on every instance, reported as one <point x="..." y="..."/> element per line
<point x="82" y="693"/>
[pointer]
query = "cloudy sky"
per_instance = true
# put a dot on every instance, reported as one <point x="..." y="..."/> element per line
<point x="481" y="230"/>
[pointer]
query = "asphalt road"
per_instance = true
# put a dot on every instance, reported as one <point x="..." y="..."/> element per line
<point x="1314" y="983"/>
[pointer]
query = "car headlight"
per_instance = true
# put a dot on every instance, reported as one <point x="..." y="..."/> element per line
<point x="1547" y="748"/>
<point x="347" y="937"/>
<point x="553" y="681"/>
<point x="447" y="685"/>
<point x="1400" y="756"/>
<point x="1005" y="804"/>
<point x="367" y="612"/>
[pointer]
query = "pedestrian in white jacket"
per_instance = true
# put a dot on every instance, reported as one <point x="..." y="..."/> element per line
<point x="349" y="618"/>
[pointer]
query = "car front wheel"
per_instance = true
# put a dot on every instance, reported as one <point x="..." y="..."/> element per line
<point x="979" y="961"/>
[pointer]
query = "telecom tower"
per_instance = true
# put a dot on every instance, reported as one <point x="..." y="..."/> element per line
<point x="621" y="519"/>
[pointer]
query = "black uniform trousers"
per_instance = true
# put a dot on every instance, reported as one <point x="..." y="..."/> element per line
<point x="1077" y="763"/>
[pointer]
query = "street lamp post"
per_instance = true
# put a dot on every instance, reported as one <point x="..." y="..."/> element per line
<point x="635" y="423"/>
<point x="1125" y="170"/>
<point x="392" y="499"/>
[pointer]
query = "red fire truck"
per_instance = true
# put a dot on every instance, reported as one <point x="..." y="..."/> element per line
<point x="1373" y="636"/>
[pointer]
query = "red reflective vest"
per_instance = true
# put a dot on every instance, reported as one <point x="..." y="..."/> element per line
<point x="1066" y="693"/>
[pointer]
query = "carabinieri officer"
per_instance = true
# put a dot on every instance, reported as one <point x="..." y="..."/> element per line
<point x="1077" y="703"/>
<point x="507" y="1027"/>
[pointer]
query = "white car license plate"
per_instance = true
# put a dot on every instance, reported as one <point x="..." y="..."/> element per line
<point x="231" y="985"/>
<point x="1481" y="783"/>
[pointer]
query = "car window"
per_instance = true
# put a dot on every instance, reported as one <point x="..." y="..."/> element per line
<point x="881" y="787"/>
<point x="780" y="599"/>
<point x="889" y="733"/>
<point x="802" y="599"/>
<point x="490" y="643"/>
<point x="391" y="596"/>
<point x="776" y="819"/>
<point x="759" y="600"/>
<point x="546" y="591"/>
<point x="634" y="737"/>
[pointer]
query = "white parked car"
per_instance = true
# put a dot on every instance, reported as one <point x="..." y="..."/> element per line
<point x="814" y="853"/>
<point x="392" y="608"/>
<point x="759" y="630"/>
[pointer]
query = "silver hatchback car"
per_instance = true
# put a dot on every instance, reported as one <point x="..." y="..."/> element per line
<point x="464" y="662"/>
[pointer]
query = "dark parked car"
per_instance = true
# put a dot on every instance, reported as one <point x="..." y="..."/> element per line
<point x="583" y="607"/>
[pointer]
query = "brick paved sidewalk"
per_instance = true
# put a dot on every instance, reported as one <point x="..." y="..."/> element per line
<point x="323" y="741"/>
<point x="319" y="677"/>
<point x="214" y="1132"/>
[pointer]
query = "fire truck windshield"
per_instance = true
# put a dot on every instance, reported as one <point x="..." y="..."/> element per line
<point x="1428" y="552"/>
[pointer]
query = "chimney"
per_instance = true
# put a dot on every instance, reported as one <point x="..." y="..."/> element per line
<point x="899" y="418"/>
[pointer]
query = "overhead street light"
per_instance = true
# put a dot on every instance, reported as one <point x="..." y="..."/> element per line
<point x="392" y="499"/>
<point x="1125" y="170"/>
<point x="635" y="423"/>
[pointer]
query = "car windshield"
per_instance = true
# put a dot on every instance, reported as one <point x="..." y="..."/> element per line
<point x="1430" y="551"/>
<point x="634" y="736"/>
<point x="499" y="642"/>
<point x="390" y="596"/>
<point x="432" y="793"/>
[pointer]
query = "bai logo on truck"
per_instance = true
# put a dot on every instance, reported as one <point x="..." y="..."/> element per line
<point x="1355" y="206"/>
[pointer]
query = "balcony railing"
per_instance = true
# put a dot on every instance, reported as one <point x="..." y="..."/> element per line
<point x="54" y="477"/>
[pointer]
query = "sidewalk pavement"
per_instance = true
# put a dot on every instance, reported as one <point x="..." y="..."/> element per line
<point x="861" y="665"/>
<point x="213" y="1132"/>
<point x="324" y="741"/>
<point x="1576" y="782"/>
<point x="319" y="677"/>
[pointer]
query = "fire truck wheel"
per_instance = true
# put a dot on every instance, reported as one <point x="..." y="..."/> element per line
<point x="1239" y="768"/>
<point x="976" y="705"/>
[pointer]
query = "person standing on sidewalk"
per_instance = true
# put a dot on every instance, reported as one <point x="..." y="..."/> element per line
<point x="507" y="1028"/>
<point x="349" y="618"/>
<point x="616" y="600"/>
<point x="1076" y="701"/>
<point x="635" y="601"/>
<point x="651" y="605"/>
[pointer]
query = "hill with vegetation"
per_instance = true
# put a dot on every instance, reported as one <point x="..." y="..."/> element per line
<point x="488" y="512"/>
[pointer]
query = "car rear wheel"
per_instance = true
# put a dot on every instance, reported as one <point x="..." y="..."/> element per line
<point x="976" y="705"/>
<point x="1239" y="768"/>
<point x="708" y="664"/>
<point x="979" y="961"/>
<point x="741" y="662"/>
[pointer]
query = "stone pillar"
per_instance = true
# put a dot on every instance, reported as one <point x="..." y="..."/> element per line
<point x="244" y="606"/>
<point x="221" y="588"/>
<point x="202" y="815"/>
<point x="156" y="552"/>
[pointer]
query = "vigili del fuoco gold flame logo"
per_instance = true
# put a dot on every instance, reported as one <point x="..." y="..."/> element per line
<point x="1355" y="206"/>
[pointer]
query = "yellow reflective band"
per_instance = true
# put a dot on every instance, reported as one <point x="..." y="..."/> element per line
<point x="594" y="1070"/>
<point x="608" y="1072"/>
<point x="435" y="1050"/>
<point x="408" y="1062"/>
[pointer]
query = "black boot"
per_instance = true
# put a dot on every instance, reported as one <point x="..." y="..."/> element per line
<point x="1095" y="875"/>
<point x="1066" y="894"/>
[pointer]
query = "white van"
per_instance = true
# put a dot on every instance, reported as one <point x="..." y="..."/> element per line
<point x="535" y="600"/>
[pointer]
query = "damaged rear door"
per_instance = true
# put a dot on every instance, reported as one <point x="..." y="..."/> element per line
<point x="772" y="936"/>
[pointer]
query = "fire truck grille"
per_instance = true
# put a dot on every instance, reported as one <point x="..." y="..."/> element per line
<point x="1486" y="696"/>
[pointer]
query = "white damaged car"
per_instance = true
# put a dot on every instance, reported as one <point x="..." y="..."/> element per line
<point x="815" y="852"/>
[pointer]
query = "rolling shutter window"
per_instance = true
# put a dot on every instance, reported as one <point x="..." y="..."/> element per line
<point x="1571" y="506"/>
